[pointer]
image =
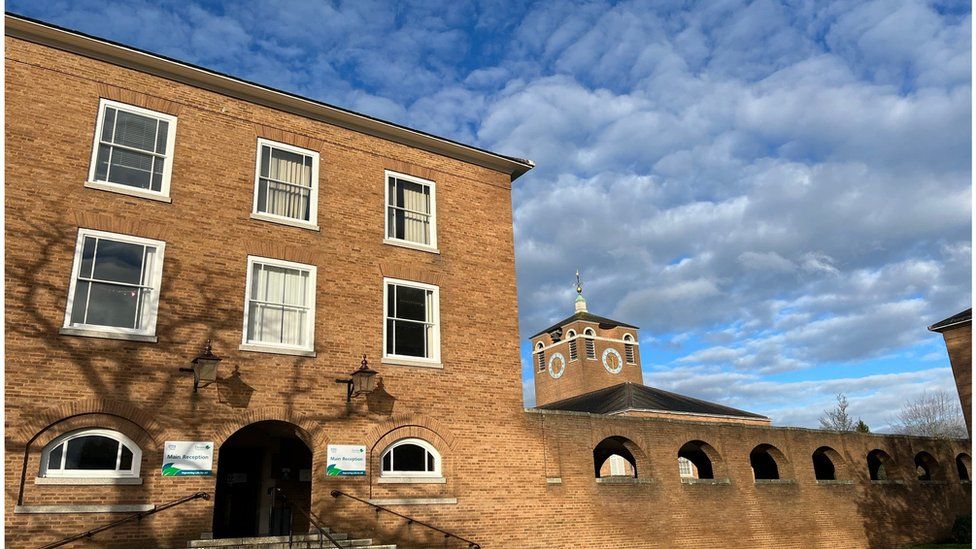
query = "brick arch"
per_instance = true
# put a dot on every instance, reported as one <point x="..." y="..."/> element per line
<point x="376" y="434"/>
<point x="309" y="430"/>
<point x="38" y="424"/>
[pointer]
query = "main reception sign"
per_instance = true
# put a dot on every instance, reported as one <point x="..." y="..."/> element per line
<point x="345" y="460"/>
<point x="187" y="458"/>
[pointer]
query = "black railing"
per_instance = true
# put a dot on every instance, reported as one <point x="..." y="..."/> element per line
<point x="136" y="516"/>
<point x="410" y="520"/>
<point x="313" y="519"/>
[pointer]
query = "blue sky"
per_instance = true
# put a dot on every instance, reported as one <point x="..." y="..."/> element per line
<point x="778" y="193"/>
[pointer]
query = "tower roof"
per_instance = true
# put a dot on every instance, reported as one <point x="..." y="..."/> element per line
<point x="589" y="317"/>
<point x="631" y="396"/>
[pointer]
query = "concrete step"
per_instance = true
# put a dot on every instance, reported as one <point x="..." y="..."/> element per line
<point x="278" y="542"/>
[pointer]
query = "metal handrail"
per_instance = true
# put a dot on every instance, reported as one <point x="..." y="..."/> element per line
<point x="471" y="544"/>
<point x="135" y="516"/>
<point x="312" y="519"/>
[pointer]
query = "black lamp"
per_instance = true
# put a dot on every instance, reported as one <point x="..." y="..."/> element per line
<point x="204" y="367"/>
<point x="362" y="383"/>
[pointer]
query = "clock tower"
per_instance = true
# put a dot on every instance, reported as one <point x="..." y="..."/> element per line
<point x="582" y="353"/>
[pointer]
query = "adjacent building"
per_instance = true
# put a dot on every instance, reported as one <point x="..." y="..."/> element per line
<point x="218" y="288"/>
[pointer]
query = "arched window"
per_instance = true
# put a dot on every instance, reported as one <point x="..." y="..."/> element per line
<point x="878" y="464"/>
<point x="91" y="453"/>
<point x="571" y="337"/>
<point x="823" y="463"/>
<point x="614" y="457"/>
<point x="541" y="356"/>
<point x="694" y="460"/>
<point x="589" y="343"/>
<point x="963" y="464"/>
<point x="926" y="468"/>
<point x="763" y="461"/>
<point x="411" y="457"/>
<point x="629" y="354"/>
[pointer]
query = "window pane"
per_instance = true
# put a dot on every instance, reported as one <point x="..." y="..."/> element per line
<point x="264" y="323"/>
<point x="411" y="303"/>
<point x="391" y="192"/>
<point x="111" y="305"/>
<point x="133" y="130"/>
<point x="388" y="461"/>
<point x="162" y="135"/>
<point x="130" y="168"/>
<point x="108" y="124"/>
<point x="290" y="167"/>
<point x="87" y="257"/>
<point x="390" y="336"/>
<point x="282" y="199"/>
<point x="409" y="457"/>
<point x="78" y="302"/>
<point x="409" y="338"/>
<point x="430" y="461"/>
<point x="157" y="174"/>
<point x="118" y="261"/>
<point x="101" y="163"/>
<point x="125" y="460"/>
<point x="54" y="458"/>
<point x="92" y="452"/>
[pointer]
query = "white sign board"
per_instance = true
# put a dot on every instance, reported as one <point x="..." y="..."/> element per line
<point x="346" y="460"/>
<point x="187" y="458"/>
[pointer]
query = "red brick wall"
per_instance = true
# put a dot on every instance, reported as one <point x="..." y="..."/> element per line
<point x="497" y="457"/>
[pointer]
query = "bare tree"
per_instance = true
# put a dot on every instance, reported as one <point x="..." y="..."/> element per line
<point x="932" y="415"/>
<point x="837" y="418"/>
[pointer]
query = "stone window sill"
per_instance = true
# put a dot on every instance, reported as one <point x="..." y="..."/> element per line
<point x="774" y="481"/>
<point x="835" y="482"/>
<point x="285" y="221"/>
<point x="130" y="191"/>
<point x="254" y="348"/>
<point x="90" y="481"/>
<point x="397" y="361"/>
<point x="102" y="334"/>
<point x="412" y="480"/>
<point x="411" y="245"/>
<point x="883" y="482"/>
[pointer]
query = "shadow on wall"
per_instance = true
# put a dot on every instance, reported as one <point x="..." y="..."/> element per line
<point x="899" y="496"/>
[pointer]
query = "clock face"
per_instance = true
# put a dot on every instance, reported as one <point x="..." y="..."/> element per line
<point x="612" y="361"/>
<point x="557" y="365"/>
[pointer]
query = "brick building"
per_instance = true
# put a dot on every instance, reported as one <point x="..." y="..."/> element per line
<point x="957" y="330"/>
<point x="153" y="207"/>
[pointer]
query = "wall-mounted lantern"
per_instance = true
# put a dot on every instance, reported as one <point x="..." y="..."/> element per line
<point x="204" y="367"/>
<point x="362" y="383"/>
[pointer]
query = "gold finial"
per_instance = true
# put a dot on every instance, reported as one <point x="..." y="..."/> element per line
<point x="579" y="285"/>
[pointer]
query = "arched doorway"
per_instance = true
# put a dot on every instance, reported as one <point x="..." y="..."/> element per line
<point x="252" y="461"/>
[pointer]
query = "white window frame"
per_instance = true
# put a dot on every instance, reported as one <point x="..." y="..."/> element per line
<point x="432" y="247"/>
<point x="435" y="359"/>
<point x="573" y="348"/>
<point x="630" y="351"/>
<point x="163" y="194"/>
<point x="89" y="473"/>
<point x="113" y="332"/>
<point x="436" y="473"/>
<point x="313" y="195"/>
<point x="589" y="343"/>
<point x="261" y="346"/>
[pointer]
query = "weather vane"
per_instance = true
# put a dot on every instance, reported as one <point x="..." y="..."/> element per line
<point x="579" y="285"/>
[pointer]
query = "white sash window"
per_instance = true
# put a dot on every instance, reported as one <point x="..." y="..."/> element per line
<point x="411" y="324"/>
<point x="411" y="211"/>
<point x="280" y="308"/>
<point x="286" y="184"/>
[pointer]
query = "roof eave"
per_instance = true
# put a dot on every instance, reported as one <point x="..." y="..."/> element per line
<point x="119" y="54"/>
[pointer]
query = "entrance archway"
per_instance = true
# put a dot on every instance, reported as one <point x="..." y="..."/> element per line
<point x="252" y="461"/>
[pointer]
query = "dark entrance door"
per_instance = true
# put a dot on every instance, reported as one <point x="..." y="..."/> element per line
<point x="259" y="457"/>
